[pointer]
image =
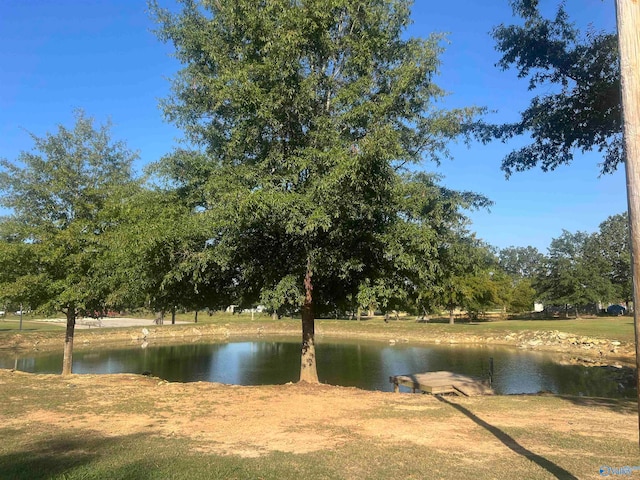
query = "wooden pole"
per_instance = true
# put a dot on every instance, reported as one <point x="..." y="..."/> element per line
<point x="628" y="16"/>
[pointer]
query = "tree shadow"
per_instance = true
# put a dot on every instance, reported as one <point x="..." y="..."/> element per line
<point x="10" y="328"/>
<point x="618" y="405"/>
<point x="512" y="444"/>
<point x="56" y="456"/>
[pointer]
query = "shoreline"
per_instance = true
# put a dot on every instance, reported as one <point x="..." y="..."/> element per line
<point x="576" y="349"/>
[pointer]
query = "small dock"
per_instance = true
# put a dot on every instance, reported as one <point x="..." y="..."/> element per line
<point x="438" y="383"/>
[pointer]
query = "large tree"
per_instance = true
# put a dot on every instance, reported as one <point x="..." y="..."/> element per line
<point x="579" y="77"/>
<point x="572" y="276"/>
<point x="159" y="248"/>
<point x="51" y="248"/>
<point x="463" y="267"/>
<point x="609" y="249"/>
<point x="521" y="262"/>
<point x="306" y="111"/>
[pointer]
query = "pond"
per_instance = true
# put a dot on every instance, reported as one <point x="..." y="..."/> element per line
<point x="367" y="365"/>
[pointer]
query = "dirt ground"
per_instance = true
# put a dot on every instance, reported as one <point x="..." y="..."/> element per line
<point x="547" y="435"/>
<point x="111" y="322"/>
<point x="299" y="418"/>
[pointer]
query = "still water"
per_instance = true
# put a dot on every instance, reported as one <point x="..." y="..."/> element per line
<point x="366" y="365"/>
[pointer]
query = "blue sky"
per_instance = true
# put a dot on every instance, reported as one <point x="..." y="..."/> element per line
<point x="101" y="56"/>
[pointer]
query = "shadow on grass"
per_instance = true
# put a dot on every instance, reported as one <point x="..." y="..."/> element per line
<point x="618" y="405"/>
<point x="70" y="455"/>
<point x="512" y="444"/>
<point x="10" y="328"/>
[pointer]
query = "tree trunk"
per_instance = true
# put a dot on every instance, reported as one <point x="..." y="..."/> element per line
<point x="196" y="317"/>
<point x="359" y="314"/>
<point x="628" y="17"/>
<point x="451" y="318"/>
<point x="67" y="358"/>
<point x="308" y="370"/>
<point x="173" y="315"/>
<point x="274" y="315"/>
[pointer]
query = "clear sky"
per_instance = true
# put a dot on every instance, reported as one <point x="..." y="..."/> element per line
<point x="101" y="56"/>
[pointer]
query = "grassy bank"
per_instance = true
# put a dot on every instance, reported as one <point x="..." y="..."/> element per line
<point x="608" y="339"/>
<point x="614" y="328"/>
<point x="134" y="427"/>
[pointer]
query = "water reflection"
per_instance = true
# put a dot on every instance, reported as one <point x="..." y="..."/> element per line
<point x="365" y="365"/>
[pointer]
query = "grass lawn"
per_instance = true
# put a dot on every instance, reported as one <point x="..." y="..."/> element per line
<point x="609" y="328"/>
<point x="13" y="325"/>
<point x="134" y="427"/>
<point x="619" y="328"/>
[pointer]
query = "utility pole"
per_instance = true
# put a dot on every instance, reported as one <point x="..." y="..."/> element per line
<point x="628" y="16"/>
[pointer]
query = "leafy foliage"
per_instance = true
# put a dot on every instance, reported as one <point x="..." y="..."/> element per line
<point x="52" y="241"/>
<point x="521" y="262"/>
<point x="609" y="249"/>
<point x="522" y="296"/>
<point x="570" y="278"/>
<point x="579" y="75"/>
<point x="158" y="255"/>
<point x="306" y="111"/>
<point x="464" y="263"/>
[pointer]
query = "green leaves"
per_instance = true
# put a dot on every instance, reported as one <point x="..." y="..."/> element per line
<point x="583" y="268"/>
<point x="66" y="177"/>
<point x="307" y="113"/>
<point x="521" y="262"/>
<point x="580" y="109"/>
<point x="53" y="241"/>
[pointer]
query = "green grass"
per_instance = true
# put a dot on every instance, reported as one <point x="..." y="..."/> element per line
<point x="11" y="324"/>
<point x="615" y="328"/>
<point x="38" y="450"/>
<point x="46" y="453"/>
<point x="612" y="328"/>
<point x="620" y="328"/>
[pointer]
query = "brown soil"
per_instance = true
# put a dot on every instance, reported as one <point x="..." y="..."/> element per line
<point x="302" y="418"/>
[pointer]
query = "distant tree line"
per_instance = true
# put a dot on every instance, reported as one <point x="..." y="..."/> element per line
<point x="580" y="269"/>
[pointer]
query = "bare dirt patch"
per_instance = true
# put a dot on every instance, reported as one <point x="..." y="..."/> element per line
<point x="301" y="418"/>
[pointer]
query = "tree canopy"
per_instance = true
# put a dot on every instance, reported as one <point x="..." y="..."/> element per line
<point x="52" y="246"/>
<point x="609" y="249"/>
<point x="307" y="112"/>
<point x="521" y="262"/>
<point x="584" y="269"/>
<point x="579" y="109"/>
